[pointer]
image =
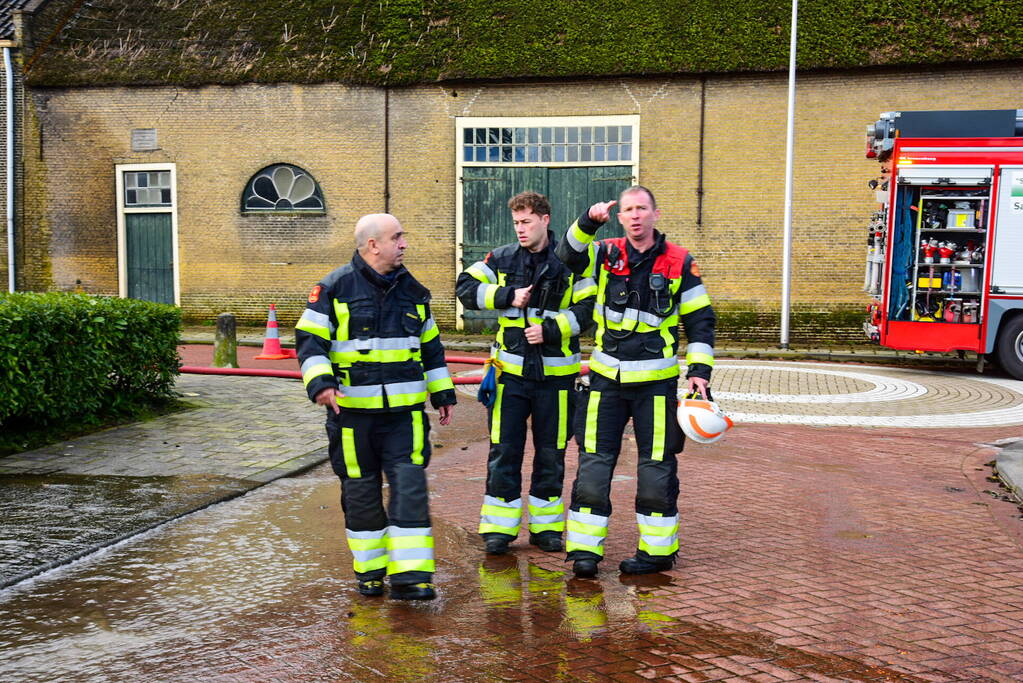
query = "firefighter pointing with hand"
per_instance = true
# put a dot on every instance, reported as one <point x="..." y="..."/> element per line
<point x="646" y="285"/>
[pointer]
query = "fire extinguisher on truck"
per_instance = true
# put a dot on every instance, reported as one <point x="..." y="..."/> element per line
<point x="945" y="247"/>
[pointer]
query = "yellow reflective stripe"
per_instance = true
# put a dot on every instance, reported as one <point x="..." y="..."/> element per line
<point x="478" y="273"/>
<point x="665" y="531"/>
<point x="668" y="339"/>
<point x="396" y="400"/>
<point x="511" y="322"/>
<point x="658" y="550"/>
<point x="316" y="371"/>
<point x="498" y="511"/>
<point x="571" y="545"/>
<point x="417" y="437"/>
<point x="590" y="439"/>
<point x="429" y="334"/>
<point x="495" y="414"/>
<point x="399" y="542"/>
<point x="562" y="417"/>
<point x="348" y="449"/>
<point x="579" y="234"/>
<point x="657" y="447"/>
<point x="399" y="566"/>
<point x="367" y="543"/>
<point x="421" y="310"/>
<point x="491" y="294"/>
<point x="694" y="304"/>
<point x="362" y="566"/>
<point x="647" y="375"/>
<point x="564" y="326"/>
<point x="364" y="402"/>
<point x="372" y="356"/>
<point x="312" y="328"/>
<point x="704" y="358"/>
<point x="441" y="384"/>
<point x="588" y="529"/>
<point x="341" y="313"/>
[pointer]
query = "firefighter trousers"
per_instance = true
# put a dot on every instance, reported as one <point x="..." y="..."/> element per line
<point x="550" y="404"/>
<point x="601" y="415"/>
<point x="365" y="447"/>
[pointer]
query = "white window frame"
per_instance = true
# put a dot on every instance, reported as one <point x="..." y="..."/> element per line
<point x="122" y="210"/>
<point x="463" y="122"/>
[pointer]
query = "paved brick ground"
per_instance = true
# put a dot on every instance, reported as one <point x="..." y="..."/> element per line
<point x="808" y="553"/>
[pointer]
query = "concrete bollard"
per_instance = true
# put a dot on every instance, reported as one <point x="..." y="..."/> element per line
<point x="225" y="343"/>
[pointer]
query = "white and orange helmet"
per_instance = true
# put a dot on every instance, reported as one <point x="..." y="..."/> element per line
<point x="701" y="419"/>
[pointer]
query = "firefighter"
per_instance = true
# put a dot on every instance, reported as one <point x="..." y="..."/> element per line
<point x="370" y="353"/>
<point x="645" y="286"/>
<point x="542" y="306"/>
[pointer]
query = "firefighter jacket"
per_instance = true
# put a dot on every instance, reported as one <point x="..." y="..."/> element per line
<point x="640" y="300"/>
<point x="561" y="302"/>
<point x="374" y="339"/>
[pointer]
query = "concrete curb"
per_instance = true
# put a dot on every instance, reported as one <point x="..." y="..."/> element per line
<point x="1009" y="468"/>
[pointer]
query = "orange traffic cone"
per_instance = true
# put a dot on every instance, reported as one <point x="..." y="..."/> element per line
<point x="272" y="343"/>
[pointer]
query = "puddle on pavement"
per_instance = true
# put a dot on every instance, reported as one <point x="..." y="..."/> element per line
<point x="260" y="588"/>
<point x="49" y="519"/>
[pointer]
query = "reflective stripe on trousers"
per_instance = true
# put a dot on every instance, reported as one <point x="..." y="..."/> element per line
<point x="498" y="516"/>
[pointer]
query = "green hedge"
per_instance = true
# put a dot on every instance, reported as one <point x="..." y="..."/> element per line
<point x="75" y="355"/>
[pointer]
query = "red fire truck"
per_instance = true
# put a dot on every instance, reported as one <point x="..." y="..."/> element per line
<point x="945" y="252"/>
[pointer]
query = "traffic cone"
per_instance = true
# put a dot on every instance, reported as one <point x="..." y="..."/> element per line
<point x="272" y="343"/>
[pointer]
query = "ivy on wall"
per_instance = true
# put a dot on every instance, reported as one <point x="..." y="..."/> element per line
<point x="377" y="42"/>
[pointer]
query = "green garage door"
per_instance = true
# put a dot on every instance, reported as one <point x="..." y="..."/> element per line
<point x="486" y="220"/>
<point x="150" y="257"/>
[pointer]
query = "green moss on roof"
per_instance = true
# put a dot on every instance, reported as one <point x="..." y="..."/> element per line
<point x="192" y="42"/>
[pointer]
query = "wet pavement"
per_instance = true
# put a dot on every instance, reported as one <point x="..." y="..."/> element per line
<point x="845" y="530"/>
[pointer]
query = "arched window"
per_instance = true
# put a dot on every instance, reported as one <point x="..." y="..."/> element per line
<point x="282" y="188"/>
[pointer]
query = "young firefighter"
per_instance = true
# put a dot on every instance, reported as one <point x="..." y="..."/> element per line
<point x="542" y="306"/>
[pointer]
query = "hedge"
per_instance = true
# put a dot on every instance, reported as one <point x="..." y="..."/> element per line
<point x="84" y="356"/>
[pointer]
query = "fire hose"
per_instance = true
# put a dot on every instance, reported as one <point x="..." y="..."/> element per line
<point x="295" y="374"/>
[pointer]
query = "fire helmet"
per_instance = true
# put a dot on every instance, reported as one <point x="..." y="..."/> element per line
<point x="701" y="419"/>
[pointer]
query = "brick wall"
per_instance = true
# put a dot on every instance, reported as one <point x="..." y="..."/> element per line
<point x="220" y="136"/>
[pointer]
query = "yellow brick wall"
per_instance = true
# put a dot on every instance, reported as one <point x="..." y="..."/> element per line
<point x="219" y="136"/>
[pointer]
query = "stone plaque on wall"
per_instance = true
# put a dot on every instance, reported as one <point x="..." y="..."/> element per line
<point x="143" y="139"/>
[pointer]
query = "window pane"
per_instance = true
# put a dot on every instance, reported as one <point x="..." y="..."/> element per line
<point x="545" y="154"/>
<point x="598" y="152"/>
<point x="129" y="181"/>
<point x="534" y="153"/>
<point x="573" y="153"/>
<point x="467" y="136"/>
<point x="573" y="134"/>
<point x="141" y="179"/>
<point x="467" y="153"/>
<point x="154" y="180"/>
<point x="481" y="136"/>
<point x="559" y="152"/>
<point x="584" y="153"/>
<point x="506" y="136"/>
<point x="586" y="134"/>
<point x="165" y="179"/>
<point x="506" y="153"/>
<point x="598" y="134"/>
<point x="626" y="133"/>
<point x="493" y="136"/>
<point x="534" y="135"/>
<point x="520" y="154"/>
<point x="481" y="154"/>
<point x="545" y="135"/>
<point x="612" y="152"/>
<point x="165" y="196"/>
<point x="612" y="133"/>
<point x="520" y="136"/>
<point x="626" y="152"/>
<point x="130" y="197"/>
<point x="493" y="153"/>
<point x="559" y="135"/>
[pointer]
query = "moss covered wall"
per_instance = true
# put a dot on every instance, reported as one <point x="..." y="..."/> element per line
<point x="191" y="42"/>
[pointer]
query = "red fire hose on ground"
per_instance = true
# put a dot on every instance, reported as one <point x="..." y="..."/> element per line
<point x="295" y="374"/>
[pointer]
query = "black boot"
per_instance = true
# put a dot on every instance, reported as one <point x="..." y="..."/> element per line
<point x="372" y="587"/>
<point x="413" y="591"/>
<point x="496" y="544"/>
<point x="548" y="541"/>
<point x="646" y="565"/>
<point x="585" y="568"/>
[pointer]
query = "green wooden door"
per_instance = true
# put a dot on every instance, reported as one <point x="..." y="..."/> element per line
<point x="150" y="257"/>
<point x="486" y="220"/>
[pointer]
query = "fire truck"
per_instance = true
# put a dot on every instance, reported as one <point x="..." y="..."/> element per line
<point x="945" y="247"/>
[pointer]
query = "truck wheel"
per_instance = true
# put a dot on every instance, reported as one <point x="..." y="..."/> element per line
<point x="1009" y="347"/>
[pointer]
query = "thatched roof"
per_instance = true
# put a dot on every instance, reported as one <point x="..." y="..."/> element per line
<point x="191" y="42"/>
